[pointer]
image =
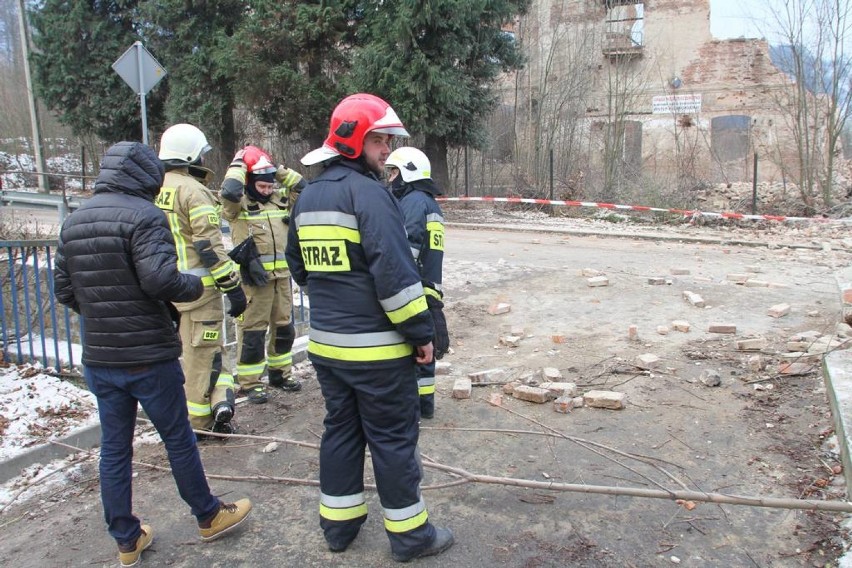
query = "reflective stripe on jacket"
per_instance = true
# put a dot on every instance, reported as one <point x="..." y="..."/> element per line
<point x="264" y="222"/>
<point x="424" y="224"/>
<point x="347" y="243"/>
<point x="193" y="214"/>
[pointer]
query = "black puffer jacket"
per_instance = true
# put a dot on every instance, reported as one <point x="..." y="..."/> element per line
<point x="116" y="265"/>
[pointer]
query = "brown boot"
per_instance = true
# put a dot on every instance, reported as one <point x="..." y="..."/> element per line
<point x="230" y="516"/>
<point x="130" y="556"/>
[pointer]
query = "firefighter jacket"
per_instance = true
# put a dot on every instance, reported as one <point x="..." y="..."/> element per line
<point x="424" y="224"/>
<point x="115" y="265"/>
<point x="266" y="222"/>
<point x="347" y="244"/>
<point x="193" y="214"/>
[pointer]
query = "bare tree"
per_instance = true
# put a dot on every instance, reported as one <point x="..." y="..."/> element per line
<point x="818" y="100"/>
<point x="550" y="100"/>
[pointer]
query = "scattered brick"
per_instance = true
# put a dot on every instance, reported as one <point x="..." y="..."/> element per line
<point x="656" y="281"/>
<point x="752" y="344"/>
<point x="499" y="308"/>
<point x="722" y="328"/>
<point x="532" y="394"/>
<point x="681" y="325"/>
<point x="510" y="341"/>
<point x="551" y="374"/>
<point x="443" y="367"/>
<point x="590" y="272"/>
<point x="597" y="281"/>
<point x="509" y="388"/>
<point x="679" y="271"/>
<point x="663" y="329"/>
<point x="487" y="376"/>
<point x="737" y="278"/>
<point x="563" y="404"/>
<point x="791" y="369"/>
<point x="577" y="402"/>
<point x="495" y="399"/>
<point x="711" y="378"/>
<point x="799" y="356"/>
<point x="647" y="361"/>
<point x="778" y="310"/>
<point x="693" y="299"/>
<point x="847" y="295"/>
<point x="827" y="344"/>
<point x="557" y="338"/>
<point x="755" y="363"/>
<point x="605" y="399"/>
<point x="756" y="283"/>
<point x="461" y="388"/>
<point x="632" y="332"/>
<point x="561" y="389"/>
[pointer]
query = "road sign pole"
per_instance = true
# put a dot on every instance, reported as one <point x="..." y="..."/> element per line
<point x="141" y="72"/>
<point x="138" y="46"/>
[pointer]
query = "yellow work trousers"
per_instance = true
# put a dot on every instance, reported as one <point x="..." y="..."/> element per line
<point x="264" y="332"/>
<point x="208" y="380"/>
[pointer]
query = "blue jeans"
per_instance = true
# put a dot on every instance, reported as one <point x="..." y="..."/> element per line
<point x="159" y="388"/>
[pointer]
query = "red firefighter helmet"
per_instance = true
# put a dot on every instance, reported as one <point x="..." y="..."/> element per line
<point x="257" y="161"/>
<point x="352" y="119"/>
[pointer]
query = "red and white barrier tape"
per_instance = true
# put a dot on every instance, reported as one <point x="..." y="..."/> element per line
<point x="615" y="206"/>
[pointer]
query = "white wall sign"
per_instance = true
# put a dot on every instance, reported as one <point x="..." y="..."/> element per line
<point x="676" y="104"/>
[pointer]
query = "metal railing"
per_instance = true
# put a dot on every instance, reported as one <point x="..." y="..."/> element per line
<point x="34" y="327"/>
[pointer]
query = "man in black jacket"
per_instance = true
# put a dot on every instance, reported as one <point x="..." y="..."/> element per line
<point x="116" y="265"/>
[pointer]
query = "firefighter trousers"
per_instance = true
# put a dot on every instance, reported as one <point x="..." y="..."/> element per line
<point x="265" y="332"/>
<point x="375" y="407"/>
<point x="208" y="380"/>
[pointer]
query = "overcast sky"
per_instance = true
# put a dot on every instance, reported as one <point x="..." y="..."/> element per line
<point x="751" y="19"/>
<point x="740" y="18"/>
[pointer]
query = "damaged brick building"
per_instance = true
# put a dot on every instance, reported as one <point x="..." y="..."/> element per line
<point x="622" y="99"/>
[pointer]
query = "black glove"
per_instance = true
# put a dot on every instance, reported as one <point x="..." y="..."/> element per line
<point x="237" y="302"/>
<point x="441" y="341"/>
<point x="254" y="274"/>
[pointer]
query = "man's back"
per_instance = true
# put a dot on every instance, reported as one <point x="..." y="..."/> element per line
<point x="116" y="265"/>
<point x="348" y="244"/>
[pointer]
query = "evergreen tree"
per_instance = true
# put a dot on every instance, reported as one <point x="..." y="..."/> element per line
<point x="294" y="56"/>
<point x="76" y="42"/>
<point x="195" y="41"/>
<point x="436" y="62"/>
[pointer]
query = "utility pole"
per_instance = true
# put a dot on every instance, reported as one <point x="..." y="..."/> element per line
<point x="40" y="164"/>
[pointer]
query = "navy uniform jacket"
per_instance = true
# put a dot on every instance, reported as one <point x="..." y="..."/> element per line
<point x="347" y="244"/>
<point x="424" y="224"/>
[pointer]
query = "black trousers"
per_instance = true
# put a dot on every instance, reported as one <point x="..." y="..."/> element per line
<point x="379" y="408"/>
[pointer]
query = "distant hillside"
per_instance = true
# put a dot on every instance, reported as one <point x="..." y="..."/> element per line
<point x="783" y="57"/>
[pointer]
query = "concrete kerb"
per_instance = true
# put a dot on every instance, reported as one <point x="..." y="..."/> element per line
<point x="87" y="437"/>
<point x="626" y="235"/>
<point x="838" y="382"/>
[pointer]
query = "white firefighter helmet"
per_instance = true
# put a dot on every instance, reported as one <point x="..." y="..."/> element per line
<point x="183" y="144"/>
<point x="411" y="163"/>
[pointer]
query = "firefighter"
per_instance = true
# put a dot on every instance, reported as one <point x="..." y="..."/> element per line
<point x="256" y="210"/>
<point x="193" y="214"/>
<point x="410" y="177"/>
<point x="369" y="326"/>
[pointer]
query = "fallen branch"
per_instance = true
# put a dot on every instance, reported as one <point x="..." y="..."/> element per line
<point x="468" y="477"/>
